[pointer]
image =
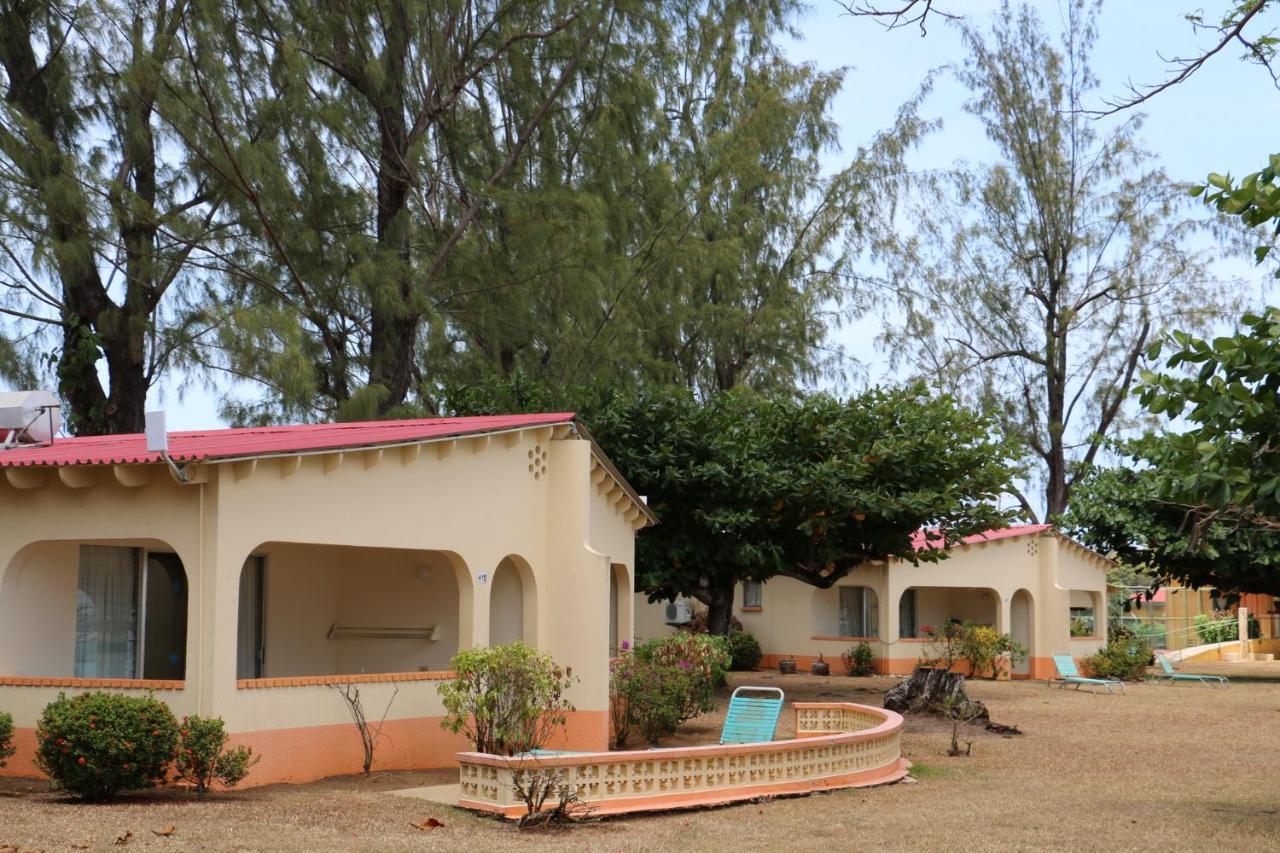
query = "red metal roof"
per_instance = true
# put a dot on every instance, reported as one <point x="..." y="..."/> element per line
<point x="919" y="540"/>
<point x="264" y="441"/>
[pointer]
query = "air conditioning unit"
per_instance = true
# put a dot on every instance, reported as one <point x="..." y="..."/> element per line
<point x="679" y="612"/>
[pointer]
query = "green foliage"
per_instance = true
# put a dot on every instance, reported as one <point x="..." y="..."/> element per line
<point x="858" y="660"/>
<point x="202" y="756"/>
<point x="984" y="649"/>
<point x="701" y="659"/>
<point x="6" y="737"/>
<point x="506" y="699"/>
<point x="744" y="651"/>
<point x="1222" y="626"/>
<point x="649" y="697"/>
<point x="108" y="216"/>
<point x="1123" y="657"/>
<point x="1254" y="200"/>
<point x="615" y="190"/>
<point x="942" y="644"/>
<point x="97" y="744"/>
<point x="1201" y="506"/>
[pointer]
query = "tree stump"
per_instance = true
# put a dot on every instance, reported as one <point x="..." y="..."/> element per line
<point x="935" y="691"/>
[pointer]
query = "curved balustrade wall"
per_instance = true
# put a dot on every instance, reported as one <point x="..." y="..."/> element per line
<point x="837" y="745"/>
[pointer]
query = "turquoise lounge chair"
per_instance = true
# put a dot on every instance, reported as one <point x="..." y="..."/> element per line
<point x="752" y="719"/>
<point x="1068" y="674"/>
<point x="1171" y="676"/>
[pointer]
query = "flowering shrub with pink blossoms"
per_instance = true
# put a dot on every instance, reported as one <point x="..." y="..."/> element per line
<point x="662" y="683"/>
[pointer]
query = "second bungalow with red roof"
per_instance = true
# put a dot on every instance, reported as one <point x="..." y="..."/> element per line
<point x="1029" y="581"/>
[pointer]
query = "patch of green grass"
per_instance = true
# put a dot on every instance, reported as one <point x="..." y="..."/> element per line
<point x="919" y="770"/>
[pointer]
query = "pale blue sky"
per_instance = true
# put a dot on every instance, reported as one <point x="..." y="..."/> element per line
<point x="1222" y="119"/>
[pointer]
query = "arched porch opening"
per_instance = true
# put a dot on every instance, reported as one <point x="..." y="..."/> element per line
<point x="1022" y="628"/>
<point x="305" y="610"/>
<point x="621" y="607"/>
<point x="513" y="603"/>
<point x="114" y="609"/>
<point x="936" y="606"/>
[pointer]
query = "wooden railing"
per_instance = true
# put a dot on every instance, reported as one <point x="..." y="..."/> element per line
<point x="837" y="745"/>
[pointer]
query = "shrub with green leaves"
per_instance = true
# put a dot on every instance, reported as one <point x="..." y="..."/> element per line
<point x="506" y="699"/>
<point x="650" y="697"/>
<point x="859" y="660"/>
<point x="1124" y="658"/>
<point x="1222" y="626"/>
<point x="95" y="745"/>
<point x="744" y="651"/>
<point x="702" y="659"/>
<point x="6" y="737"/>
<point x="983" y="648"/>
<point x="202" y="755"/>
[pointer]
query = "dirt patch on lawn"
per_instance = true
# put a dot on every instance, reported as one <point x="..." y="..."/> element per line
<point x="1162" y="768"/>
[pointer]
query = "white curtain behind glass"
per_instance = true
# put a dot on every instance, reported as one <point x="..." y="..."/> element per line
<point x="106" y="615"/>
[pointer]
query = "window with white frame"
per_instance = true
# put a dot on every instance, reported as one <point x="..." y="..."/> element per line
<point x="859" y="612"/>
<point x="752" y="594"/>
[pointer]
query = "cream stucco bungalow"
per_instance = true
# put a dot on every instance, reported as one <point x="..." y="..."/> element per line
<point x="1030" y="581"/>
<point x="251" y="569"/>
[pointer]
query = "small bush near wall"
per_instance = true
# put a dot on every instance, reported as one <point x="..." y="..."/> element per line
<point x="744" y="649"/>
<point x="1222" y="627"/>
<point x="649" y="697"/>
<point x="506" y="699"/>
<point x="702" y="658"/>
<point x="982" y="648"/>
<point x="6" y="737"/>
<point x="858" y="660"/>
<point x="202" y="756"/>
<point x="1123" y="657"/>
<point x="97" y="744"/>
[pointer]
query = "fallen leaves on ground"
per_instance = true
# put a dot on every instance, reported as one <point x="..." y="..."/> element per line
<point x="166" y="832"/>
<point x="124" y="839"/>
<point x="429" y="823"/>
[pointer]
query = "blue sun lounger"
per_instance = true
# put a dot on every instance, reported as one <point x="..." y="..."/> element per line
<point x="1170" y="675"/>
<point x="752" y="719"/>
<point x="1068" y="674"/>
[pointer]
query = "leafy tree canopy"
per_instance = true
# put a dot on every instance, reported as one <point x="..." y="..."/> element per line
<point x="1203" y="505"/>
<point x="749" y="487"/>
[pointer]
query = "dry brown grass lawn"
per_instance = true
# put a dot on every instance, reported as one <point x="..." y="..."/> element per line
<point x="1163" y="768"/>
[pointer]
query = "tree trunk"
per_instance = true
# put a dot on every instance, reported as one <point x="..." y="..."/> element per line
<point x="935" y="691"/>
<point x="720" y="607"/>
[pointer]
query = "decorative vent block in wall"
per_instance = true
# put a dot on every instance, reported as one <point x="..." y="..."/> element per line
<point x="538" y="462"/>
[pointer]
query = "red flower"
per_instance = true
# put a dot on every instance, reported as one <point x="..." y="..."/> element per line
<point x="82" y="761"/>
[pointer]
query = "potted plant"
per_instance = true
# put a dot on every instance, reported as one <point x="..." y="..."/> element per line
<point x="787" y="666"/>
<point x="820" y="667"/>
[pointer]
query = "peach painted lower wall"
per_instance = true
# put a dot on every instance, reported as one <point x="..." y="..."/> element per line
<point x="315" y="752"/>
<point x="1040" y="668"/>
